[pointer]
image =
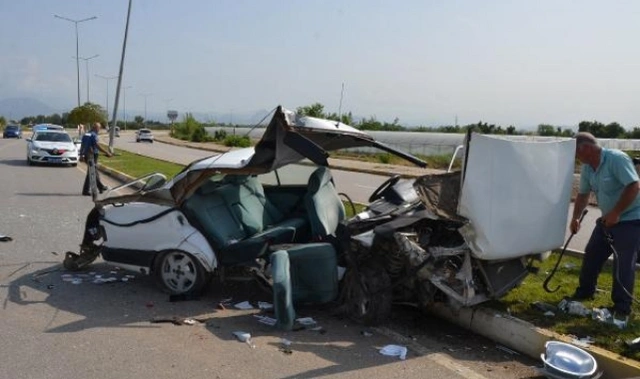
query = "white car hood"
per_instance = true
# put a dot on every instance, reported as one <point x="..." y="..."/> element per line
<point x="67" y="146"/>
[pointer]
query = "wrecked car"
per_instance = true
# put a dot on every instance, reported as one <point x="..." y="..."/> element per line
<point x="461" y="237"/>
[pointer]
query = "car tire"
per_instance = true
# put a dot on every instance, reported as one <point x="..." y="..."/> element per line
<point x="367" y="294"/>
<point x="30" y="162"/>
<point x="178" y="273"/>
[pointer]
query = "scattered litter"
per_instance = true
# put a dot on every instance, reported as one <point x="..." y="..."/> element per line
<point x="50" y="286"/>
<point x="264" y="305"/>
<point x="601" y="314"/>
<point x="76" y="281"/>
<point x="285" y="342"/>
<point x="633" y="344"/>
<point x="319" y="329"/>
<point x="245" y="305"/>
<point x="266" y="320"/>
<point x="222" y="307"/>
<point x="570" y="265"/>
<point x="583" y="342"/>
<point x="394" y="351"/>
<point x="549" y="314"/>
<point x="306" y="321"/>
<point x="54" y="253"/>
<point x="366" y="333"/>
<point x="573" y="308"/>
<point x="174" y="320"/>
<point x="4" y="238"/>
<point x="507" y="350"/>
<point x="244" y="337"/>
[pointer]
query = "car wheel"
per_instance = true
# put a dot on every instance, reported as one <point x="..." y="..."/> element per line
<point x="368" y="295"/>
<point x="179" y="273"/>
<point x="30" y="162"/>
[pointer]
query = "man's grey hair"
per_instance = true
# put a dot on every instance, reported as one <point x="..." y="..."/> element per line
<point x="585" y="138"/>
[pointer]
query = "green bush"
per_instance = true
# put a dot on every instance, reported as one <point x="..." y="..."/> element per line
<point x="384" y="158"/>
<point x="190" y="130"/>
<point x="237" y="141"/>
<point x="220" y="135"/>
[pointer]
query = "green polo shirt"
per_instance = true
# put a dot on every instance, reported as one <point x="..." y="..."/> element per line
<point x="614" y="173"/>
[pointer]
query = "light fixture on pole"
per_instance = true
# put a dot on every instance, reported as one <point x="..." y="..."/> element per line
<point x="76" y="22"/>
<point x="107" y="78"/>
<point x="86" y="61"/>
<point x="145" y="95"/>
<point x="124" y="105"/>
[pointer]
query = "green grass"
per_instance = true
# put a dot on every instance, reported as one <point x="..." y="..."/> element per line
<point x="136" y="165"/>
<point x="518" y="303"/>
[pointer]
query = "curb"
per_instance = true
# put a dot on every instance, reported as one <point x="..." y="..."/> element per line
<point x="528" y="339"/>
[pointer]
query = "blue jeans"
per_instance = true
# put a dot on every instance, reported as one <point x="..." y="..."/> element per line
<point x="626" y="241"/>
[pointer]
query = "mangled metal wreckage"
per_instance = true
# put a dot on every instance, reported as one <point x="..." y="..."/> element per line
<point x="461" y="237"/>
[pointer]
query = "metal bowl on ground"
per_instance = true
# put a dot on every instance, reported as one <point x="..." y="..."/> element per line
<point x="563" y="360"/>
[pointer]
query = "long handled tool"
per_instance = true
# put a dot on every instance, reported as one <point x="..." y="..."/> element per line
<point x="555" y="268"/>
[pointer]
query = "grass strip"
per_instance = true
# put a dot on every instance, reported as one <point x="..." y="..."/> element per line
<point x="518" y="304"/>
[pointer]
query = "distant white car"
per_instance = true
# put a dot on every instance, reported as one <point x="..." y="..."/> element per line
<point x="51" y="147"/>
<point x="144" y="135"/>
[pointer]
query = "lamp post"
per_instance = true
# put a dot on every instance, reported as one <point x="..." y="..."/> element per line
<point x="107" y="78"/>
<point x="76" y="22"/>
<point x="86" y="61"/>
<point x="145" y="95"/>
<point x="124" y="105"/>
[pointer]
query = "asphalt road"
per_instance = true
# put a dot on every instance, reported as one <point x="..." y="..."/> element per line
<point x="56" y="329"/>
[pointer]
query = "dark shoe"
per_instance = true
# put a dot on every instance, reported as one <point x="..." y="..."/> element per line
<point x="86" y="194"/>
<point x="580" y="297"/>
<point x="103" y="189"/>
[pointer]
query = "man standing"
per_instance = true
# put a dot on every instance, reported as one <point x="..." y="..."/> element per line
<point x="610" y="174"/>
<point x="90" y="146"/>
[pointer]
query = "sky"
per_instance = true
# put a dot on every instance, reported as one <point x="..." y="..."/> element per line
<point x="520" y="63"/>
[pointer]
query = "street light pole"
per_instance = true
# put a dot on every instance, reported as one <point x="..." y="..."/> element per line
<point x="107" y="78"/>
<point x="76" y="22"/>
<point x="86" y="61"/>
<point x="145" y="95"/>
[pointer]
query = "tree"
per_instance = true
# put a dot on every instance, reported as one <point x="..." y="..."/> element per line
<point x="138" y="120"/>
<point x="596" y="128"/>
<point x="3" y="121"/>
<point x="87" y="114"/>
<point x="546" y="130"/>
<point x="313" y="110"/>
<point x="613" y="130"/>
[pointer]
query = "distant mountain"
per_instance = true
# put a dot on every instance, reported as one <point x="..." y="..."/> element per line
<point x="17" y="108"/>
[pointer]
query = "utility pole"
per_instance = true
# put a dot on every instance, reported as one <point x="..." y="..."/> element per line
<point x="76" y="22"/>
<point x="145" y="95"/>
<point x="107" y="78"/>
<point x="86" y="61"/>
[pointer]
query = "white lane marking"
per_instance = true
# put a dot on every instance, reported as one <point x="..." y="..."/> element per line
<point x="438" y="358"/>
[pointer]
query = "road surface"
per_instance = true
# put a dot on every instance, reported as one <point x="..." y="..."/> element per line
<point x="57" y="329"/>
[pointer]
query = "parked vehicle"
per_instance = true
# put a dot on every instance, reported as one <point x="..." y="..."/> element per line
<point x="51" y="146"/>
<point x="12" y="131"/>
<point x="143" y="135"/>
<point x="233" y="210"/>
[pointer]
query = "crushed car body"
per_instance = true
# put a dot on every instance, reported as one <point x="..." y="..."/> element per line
<point x="461" y="237"/>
